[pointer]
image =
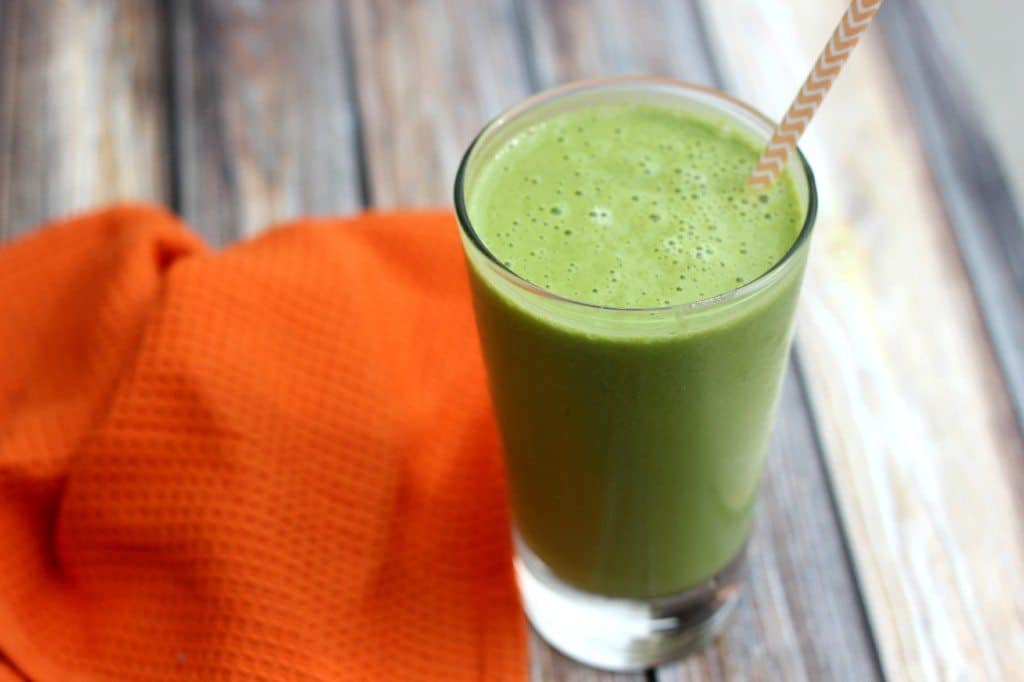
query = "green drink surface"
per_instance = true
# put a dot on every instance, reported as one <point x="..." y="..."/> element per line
<point x="632" y="206"/>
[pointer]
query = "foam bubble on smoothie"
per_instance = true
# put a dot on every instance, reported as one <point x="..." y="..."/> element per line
<point x="632" y="206"/>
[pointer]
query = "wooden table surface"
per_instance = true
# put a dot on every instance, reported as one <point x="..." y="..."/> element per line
<point x="890" y="539"/>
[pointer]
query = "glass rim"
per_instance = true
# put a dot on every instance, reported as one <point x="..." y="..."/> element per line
<point x="753" y="286"/>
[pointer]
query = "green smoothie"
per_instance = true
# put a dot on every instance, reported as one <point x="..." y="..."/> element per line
<point x="634" y="439"/>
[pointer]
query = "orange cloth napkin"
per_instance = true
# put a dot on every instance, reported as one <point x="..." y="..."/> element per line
<point x="272" y="462"/>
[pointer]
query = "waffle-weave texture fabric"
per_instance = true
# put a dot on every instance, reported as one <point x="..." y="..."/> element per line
<point x="271" y="462"/>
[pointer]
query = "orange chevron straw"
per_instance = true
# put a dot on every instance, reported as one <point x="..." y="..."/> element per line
<point x="854" y="22"/>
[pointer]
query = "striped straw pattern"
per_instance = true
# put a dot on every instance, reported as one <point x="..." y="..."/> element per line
<point x="854" y="22"/>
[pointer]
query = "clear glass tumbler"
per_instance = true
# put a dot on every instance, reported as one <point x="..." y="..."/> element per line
<point x="634" y="438"/>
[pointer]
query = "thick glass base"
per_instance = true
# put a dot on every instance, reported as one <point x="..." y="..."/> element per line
<point x="624" y="634"/>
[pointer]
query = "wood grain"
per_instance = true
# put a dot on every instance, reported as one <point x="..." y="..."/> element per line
<point x="974" y="188"/>
<point x="265" y="126"/>
<point x="82" y="107"/>
<point x="574" y="39"/>
<point x="430" y="75"/>
<point x="801" y="616"/>
<point x="920" y="438"/>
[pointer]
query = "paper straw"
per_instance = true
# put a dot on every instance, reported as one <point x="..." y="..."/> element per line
<point x="774" y="157"/>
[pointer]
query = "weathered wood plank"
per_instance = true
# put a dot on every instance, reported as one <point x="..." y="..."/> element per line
<point x="974" y="189"/>
<point x="575" y="39"/>
<point x="82" y="94"/>
<point x="922" y="445"/>
<point x="430" y="75"/>
<point x="265" y="127"/>
<point x="800" y="617"/>
<point x="986" y="39"/>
